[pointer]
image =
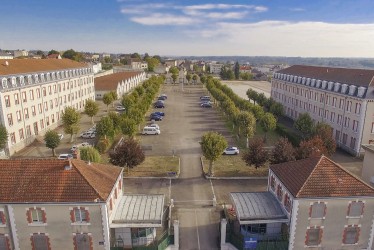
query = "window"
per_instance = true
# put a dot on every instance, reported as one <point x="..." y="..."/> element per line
<point x="33" y="111"/>
<point x="349" y="106"/>
<point x="355" y="126"/>
<point x="40" y="108"/>
<point x="7" y="101"/>
<point x="358" y="108"/>
<point x="50" y="90"/>
<point x="28" y="130"/>
<point x="42" y="123"/>
<point x="44" y="91"/>
<point x="4" y="242"/>
<point x="82" y="241"/>
<point x="16" y="100"/>
<point x="272" y="183"/>
<point x="279" y="192"/>
<point x="341" y="104"/>
<point x="255" y="228"/>
<point x="36" y="215"/>
<point x="345" y="137"/>
<point x="40" y="241"/>
<point x="51" y="104"/>
<point x="332" y="117"/>
<point x="334" y="101"/>
<point x="45" y="106"/>
<point x="10" y="119"/>
<point x="31" y="94"/>
<point x="12" y="138"/>
<point x="24" y="97"/>
<point x="313" y="236"/>
<point x="2" y="219"/>
<point x="372" y="128"/>
<point x="19" y="118"/>
<point x="351" y="234"/>
<point x="355" y="209"/>
<point x="287" y="202"/>
<point x="21" y="135"/>
<point x="26" y="112"/>
<point x="347" y="121"/>
<point x="80" y="215"/>
<point x="317" y="210"/>
<point x="38" y="93"/>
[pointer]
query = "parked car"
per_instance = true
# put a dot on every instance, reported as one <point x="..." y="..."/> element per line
<point x="159" y="106"/>
<point x="158" y="113"/>
<point x="159" y="101"/>
<point x="89" y="135"/>
<point x="231" y="151"/>
<point x="162" y="98"/>
<point x="164" y="95"/>
<point x="120" y="108"/>
<point x="209" y="102"/>
<point x="150" y="131"/>
<point x="205" y="97"/>
<point x="65" y="156"/>
<point x="206" y="105"/>
<point x="155" y="117"/>
<point x="61" y="136"/>
<point x="154" y="125"/>
<point x="75" y="147"/>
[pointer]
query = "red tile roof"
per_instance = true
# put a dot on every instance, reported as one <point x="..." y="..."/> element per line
<point x="319" y="177"/>
<point x="110" y="82"/>
<point x="23" y="66"/>
<point x="46" y="180"/>
<point x="359" y="77"/>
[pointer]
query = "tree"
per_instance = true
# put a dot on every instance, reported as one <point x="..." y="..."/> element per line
<point x="188" y="77"/>
<point x="52" y="140"/>
<point x="107" y="99"/>
<point x="3" y="137"/>
<point x="116" y="120"/>
<point x="237" y="70"/>
<point x="128" y="127"/>
<point x="127" y="102"/>
<point x="256" y="154"/>
<point x="105" y="127"/>
<point x="89" y="154"/>
<point x="324" y="131"/>
<point x="127" y="154"/>
<point x="276" y="109"/>
<point x="107" y="59"/>
<point x="194" y="78"/>
<point x="136" y="56"/>
<point x="70" y="54"/>
<point x="114" y="96"/>
<point x="212" y="145"/>
<point x="310" y="148"/>
<point x="70" y="121"/>
<point x="91" y="109"/>
<point x="305" y="125"/>
<point x="268" y="123"/>
<point x="174" y="70"/>
<point x="51" y="52"/>
<point x="174" y="77"/>
<point x="252" y="95"/>
<point x="247" y="121"/>
<point x="152" y="63"/>
<point x="283" y="151"/>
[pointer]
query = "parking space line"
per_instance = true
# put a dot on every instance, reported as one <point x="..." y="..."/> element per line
<point x="197" y="231"/>
<point x="211" y="185"/>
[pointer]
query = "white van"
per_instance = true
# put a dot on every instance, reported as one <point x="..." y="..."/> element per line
<point x="151" y="131"/>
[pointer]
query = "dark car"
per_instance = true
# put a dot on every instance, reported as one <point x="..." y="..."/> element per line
<point x="206" y="105"/>
<point x="158" y="113"/>
<point x="162" y="98"/>
<point x="159" y="105"/>
<point x="155" y="117"/>
<point x="205" y="98"/>
<point x="164" y="95"/>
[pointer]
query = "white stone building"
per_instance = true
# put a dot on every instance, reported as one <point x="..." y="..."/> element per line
<point x="340" y="97"/>
<point x="34" y="93"/>
<point x="215" y="68"/>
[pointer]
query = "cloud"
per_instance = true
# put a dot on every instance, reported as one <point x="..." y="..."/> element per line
<point x="224" y="7"/>
<point x="164" y="19"/>
<point x="297" y="9"/>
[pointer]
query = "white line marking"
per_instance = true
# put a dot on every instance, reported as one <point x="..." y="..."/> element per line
<point x="169" y="189"/>
<point x="211" y="185"/>
<point x="197" y="231"/>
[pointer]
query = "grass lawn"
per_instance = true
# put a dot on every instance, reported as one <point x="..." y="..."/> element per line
<point x="155" y="166"/>
<point x="234" y="166"/>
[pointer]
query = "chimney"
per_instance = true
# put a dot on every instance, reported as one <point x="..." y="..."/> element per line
<point x="76" y="154"/>
<point x="69" y="166"/>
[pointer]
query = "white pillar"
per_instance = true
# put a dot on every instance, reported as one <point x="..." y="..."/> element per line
<point x="176" y="234"/>
<point x="223" y="231"/>
<point x="214" y="201"/>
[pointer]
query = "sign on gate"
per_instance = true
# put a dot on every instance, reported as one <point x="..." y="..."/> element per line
<point x="250" y="243"/>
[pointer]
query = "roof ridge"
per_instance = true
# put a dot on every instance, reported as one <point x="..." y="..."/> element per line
<point x="351" y="174"/>
<point x="84" y="177"/>
<point x="314" y="168"/>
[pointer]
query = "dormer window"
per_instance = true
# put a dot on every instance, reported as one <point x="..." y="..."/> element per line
<point x="36" y="78"/>
<point x="29" y="79"/>
<point x="48" y="76"/>
<point x="22" y="80"/>
<point x="13" y="81"/>
<point x="4" y="83"/>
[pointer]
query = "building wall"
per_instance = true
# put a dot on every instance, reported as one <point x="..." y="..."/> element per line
<point x="215" y="68"/>
<point x="334" y="223"/>
<point x="368" y="167"/>
<point x="58" y="226"/>
<point x="351" y="117"/>
<point x="48" y="97"/>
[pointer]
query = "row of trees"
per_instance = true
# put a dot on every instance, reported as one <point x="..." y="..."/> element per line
<point x="269" y="104"/>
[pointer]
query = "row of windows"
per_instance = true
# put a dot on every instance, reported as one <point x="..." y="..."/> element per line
<point x="350" y="236"/>
<point x="44" y="77"/>
<point x="17" y="99"/>
<point x="41" y="241"/>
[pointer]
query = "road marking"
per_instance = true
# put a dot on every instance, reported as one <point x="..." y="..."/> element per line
<point x="197" y="231"/>
<point x="169" y="189"/>
<point x="211" y="185"/>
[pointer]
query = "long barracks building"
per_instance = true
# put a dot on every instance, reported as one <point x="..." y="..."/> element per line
<point x="340" y="97"/>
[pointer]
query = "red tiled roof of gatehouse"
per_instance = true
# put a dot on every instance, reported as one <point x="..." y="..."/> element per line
<point x="110" y="82"/>
<point x="47" y="180"/>
<point x="319" y="177"/>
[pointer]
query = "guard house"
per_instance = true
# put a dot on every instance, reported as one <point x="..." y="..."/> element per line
<point x="259" y="215"/>
<point x="136" y="219"/>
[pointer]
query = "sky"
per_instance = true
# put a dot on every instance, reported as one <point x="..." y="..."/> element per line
<point x="305" y="28"/>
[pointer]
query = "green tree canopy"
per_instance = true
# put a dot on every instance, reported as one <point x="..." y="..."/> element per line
<point x="128" y="127"/>
<point x="174" y="77"/>
<point x="188" y="77"/>
<point x="256" y="154"/>
<point x="51" y="52"/>
<point x="174" y="70"/>
<point x="283" y="151"/>
<point x="127" y="154"/>
<point x="107" y="99"/>
<point x="89" y="154"/>
<point x="247" y="121"/>
<point x="127" y="102"/>
<point x="105" y="127"/>
<point x="324" y="131"/>
<point x="268" y="123"/>
<point x="91" y="109"/>
<point x="237" y="70"/>
<point x="70" y="121"/>
<point x="305" y="125"/>
<point x="212" y="145"/>
<point x="3" y="137"/>
<point x="52" y="140"/>
<point x="152" y="63"/>
<point x="73" y="55"/>
<point x="277" y="109"/>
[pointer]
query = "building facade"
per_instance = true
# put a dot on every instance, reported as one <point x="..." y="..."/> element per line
<point x="340" y="97"/>
<point x="367" y="173"/>
<point x="215" y="68"/>
<point x="121" y="83"/>
<point x="34" y="93"/>
<point x="322" y="206"/>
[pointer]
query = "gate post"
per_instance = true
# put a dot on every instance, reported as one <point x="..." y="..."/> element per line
<point x="176" y="234"/>
<point x="223" y="231"/>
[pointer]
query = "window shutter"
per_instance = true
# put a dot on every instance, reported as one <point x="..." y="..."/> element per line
<point x="307" y="237"/>
<point x="2" y="217"/>
<point x="344" y="235"/>
<point x="310" y="211"/>
<point x="44" y="216"/>
<point x="28" y="215"/>
<point x="32" y="242"/>
<point x="358" y="233"/>
<point x="4" y="242"/>
<point x="324" y="210"/>
<point x="349" y="209"/>
<point x="91" y="243"/>
<point x="320" y="235"/>
<point x="72" y="216"/>
<point x="362" y="209"/>
<point x="87" y="215"/>
<point x="75" y="242"/>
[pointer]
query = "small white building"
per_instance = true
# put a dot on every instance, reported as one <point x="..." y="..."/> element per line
<point x="215" y="68"/>
<point x="4" y="55"/>
<point x="18" y="53"/>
